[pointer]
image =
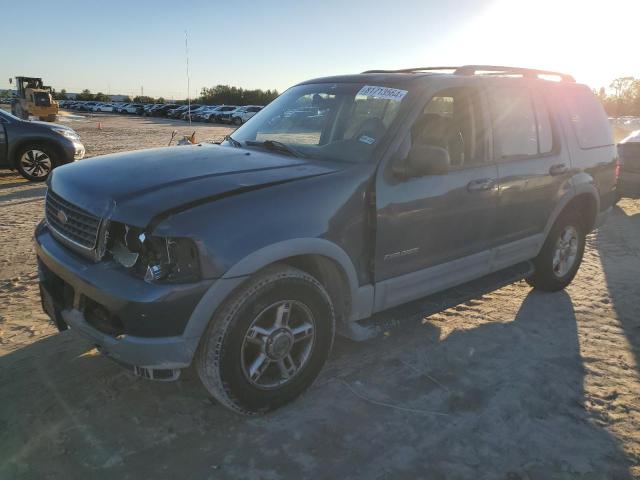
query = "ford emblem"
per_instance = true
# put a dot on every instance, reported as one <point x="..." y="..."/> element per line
<point x="62" y="217"/>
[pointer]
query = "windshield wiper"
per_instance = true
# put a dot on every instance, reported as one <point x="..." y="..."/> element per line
<point x="275" y="146"/>
<point x="233" y="141"/>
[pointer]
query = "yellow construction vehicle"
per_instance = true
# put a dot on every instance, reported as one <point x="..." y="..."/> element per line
<point x="35" y="99"/>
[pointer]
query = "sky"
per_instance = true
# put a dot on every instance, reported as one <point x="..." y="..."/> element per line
<point x="134" y="46"/>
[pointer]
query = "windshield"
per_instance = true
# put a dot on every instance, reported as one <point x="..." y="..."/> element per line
<point x="344" y="122"/>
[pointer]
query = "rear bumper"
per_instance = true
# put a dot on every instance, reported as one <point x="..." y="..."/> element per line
<point x="129" y="320"/>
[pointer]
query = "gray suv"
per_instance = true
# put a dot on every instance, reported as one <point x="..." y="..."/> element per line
<point x="344" y="197"/>
<point x="35" y="148"/>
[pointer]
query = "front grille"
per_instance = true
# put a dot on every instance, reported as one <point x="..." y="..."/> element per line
<point x="80" y="227"/>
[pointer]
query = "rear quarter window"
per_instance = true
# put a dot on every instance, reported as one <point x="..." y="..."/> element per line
<point x="587" y="118"/>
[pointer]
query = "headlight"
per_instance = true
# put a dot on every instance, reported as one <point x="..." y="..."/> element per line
<point x="70" y="134"/>
<point x="154" y="258"/>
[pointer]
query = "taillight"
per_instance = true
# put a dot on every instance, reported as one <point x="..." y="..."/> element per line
<point x="617" y="169"/>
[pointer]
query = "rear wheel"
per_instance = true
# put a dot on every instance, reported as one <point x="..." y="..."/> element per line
<point x="559" y="260"/>
<point x="268" y="342"/>
<point x="35" y="162"/>
<point x="237" y="121"/>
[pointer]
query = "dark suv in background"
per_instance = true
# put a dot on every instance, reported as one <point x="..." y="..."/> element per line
<point x="344" y="197"/>
<point x="35" y="148"/>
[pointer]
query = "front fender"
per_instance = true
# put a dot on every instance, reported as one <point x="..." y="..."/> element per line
<point x="361" y="296"/>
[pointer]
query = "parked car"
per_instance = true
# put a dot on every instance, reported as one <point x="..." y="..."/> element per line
<point x="146" y="112"/>
<point x="122" y="106"/>
<point x="194" y="112"/>
<point x="247" y="258"/>
<point x="202" y="115"/>
<point x="211" y="115"/>
<point x="225" y="117"/>
<point x="103" y="107"/>
<point x="629" y="168"/>
<point x="162" y="110"/>
<point x="238" y="117"/>
<point x="34" y="149"/>
<point x="86" y="106"/>
<point x="177" y="113"/>
<point x="134" y="108"/>
<point x="224" y="111"/>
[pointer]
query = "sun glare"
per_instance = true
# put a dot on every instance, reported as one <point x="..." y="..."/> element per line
<point x="587" y="39"/>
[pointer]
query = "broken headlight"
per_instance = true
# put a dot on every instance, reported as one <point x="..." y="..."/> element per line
<point x="155" y="259"/>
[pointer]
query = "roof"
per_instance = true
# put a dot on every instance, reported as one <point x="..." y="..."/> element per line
<point x="407" y="75"/>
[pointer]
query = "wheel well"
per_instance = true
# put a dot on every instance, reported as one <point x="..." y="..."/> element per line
<point x="585" y="205"/>
<point x="331" y="275"/>
<point x="32" y="143"/>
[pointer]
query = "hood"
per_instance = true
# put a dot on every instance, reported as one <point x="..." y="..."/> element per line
<point x="136" y="187"/>
<point x="51" y="126"/>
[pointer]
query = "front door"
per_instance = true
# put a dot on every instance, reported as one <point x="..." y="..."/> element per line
<point x="435" y="231"/>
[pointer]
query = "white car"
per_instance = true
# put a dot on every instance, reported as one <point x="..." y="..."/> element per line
<point x="136" y="108"/>
<point x="242" y="114"/>
<point x="103" y="107"/>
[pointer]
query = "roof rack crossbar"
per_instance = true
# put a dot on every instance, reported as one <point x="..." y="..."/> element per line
<point x="412" y="70"/>
<point x="491" y="69"/>
<point x="525" y="72"/>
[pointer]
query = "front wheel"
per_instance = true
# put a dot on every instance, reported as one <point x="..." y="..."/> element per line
<point x="268" y="342"/>
<point x="35" y="162"/>
<point x="237" y="121"/>
<point x="559" y="260"/>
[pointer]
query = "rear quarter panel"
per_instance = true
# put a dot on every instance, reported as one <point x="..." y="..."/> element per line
<point x="591" y="165"/>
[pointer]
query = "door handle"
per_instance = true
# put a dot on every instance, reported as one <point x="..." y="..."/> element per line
<point x="481" y="185"/>
<point x="559" y="169"/>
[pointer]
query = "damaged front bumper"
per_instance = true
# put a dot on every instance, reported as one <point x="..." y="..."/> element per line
<point x="137" y="324"/>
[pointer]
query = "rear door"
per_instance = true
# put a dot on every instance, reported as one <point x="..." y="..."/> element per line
<point x="532" y="166"/>
<point x="435" y="231"/>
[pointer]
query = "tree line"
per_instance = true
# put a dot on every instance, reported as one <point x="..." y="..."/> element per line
<point x="218" y="95"/>
<point x="624" y="98"/>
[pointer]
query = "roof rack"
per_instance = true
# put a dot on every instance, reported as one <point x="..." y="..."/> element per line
<point x="485" y="69"/>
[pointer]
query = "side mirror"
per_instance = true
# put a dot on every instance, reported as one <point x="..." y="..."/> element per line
<point x="426" y="160"/>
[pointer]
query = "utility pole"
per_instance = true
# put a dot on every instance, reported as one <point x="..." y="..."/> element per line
<point x="186" y="50"/>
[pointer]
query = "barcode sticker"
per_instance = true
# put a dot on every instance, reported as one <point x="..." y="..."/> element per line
<point x="382" y="92"/>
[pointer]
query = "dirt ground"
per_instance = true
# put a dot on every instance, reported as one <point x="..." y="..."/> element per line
<point x="513" y="385"/>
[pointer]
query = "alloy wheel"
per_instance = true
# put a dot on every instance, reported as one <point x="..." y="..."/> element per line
<point x="278" y="344"/>
<point x="36" y="163"/>
<point x="566" y="251"/>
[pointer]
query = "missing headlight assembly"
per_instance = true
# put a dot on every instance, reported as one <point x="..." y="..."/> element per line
<point x="156" y="259"/>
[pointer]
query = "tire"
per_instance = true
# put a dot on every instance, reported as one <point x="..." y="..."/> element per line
<point x="237" y="121"/>
<point x="551" y="275"/>
<point x="240" y="334"/>
<point x="35" y="162"/>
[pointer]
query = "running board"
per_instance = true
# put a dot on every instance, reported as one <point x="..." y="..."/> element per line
<point x="418" y="309"/>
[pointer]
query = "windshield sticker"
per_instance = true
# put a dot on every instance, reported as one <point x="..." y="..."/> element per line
<point x="383" y="92"/>
<point x="366" y="139"/>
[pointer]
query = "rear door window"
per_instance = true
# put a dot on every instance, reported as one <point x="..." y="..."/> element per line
<point x="514" y="121"/>
<point x="545" y="131"/>
<point x="588" y="118"/>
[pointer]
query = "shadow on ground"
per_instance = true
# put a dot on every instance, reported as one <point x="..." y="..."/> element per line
<point x="501" y="400"/>
<point x="621" y="264"/>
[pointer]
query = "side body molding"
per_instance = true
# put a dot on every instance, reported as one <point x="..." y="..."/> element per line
<point x="361" y="296"/>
